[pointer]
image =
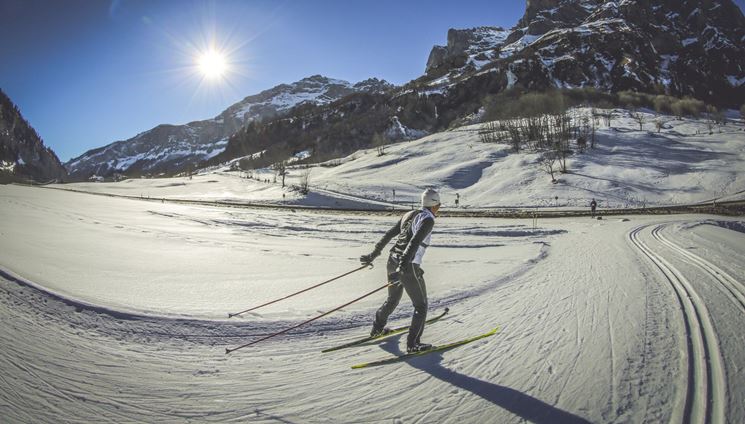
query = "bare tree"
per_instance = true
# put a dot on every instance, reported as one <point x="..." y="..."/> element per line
<point x="592" y="134"/>
<point x="640" y="118"/>
<point x="547" y="164"/>
<point x="582" y="143"/>
<point x="585" y="131"/>
<point x="562" y="133"/>
<point x="515" y="131"/>
<point x="720" y="118"/>
<point x="489" y="132"/>
<point x="379" y="141"/>
<point x="659" y="123"/>
<point x="281" y="170"/>
<point x="607" y="117"/>
<point x="305" y="181"/>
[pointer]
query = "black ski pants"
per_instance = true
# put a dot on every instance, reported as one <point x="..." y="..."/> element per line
<point x="413" y="282"/>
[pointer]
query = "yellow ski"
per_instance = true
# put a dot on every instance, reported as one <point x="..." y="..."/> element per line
<point x="439" y="348"/>
<point x="393" y="332"/>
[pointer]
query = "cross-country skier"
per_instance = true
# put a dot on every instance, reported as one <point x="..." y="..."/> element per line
<point x="414" y="231"/>
<point x="593" y="206"/>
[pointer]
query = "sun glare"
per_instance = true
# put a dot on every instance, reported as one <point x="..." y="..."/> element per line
<point x="212" y="64"/>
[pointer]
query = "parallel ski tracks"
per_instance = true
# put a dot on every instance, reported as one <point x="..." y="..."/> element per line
<point x="735" y="288"/>
<point x="705" y="397"/>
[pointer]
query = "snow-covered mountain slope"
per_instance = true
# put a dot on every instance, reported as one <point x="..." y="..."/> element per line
<point x="473" y="48"/>
<point x="175" y="148"/>
<point x="676" y="48"/>
<point x="681" y="48"/>
<point x="23" y="155"/>
<point x="689" y="48"/>
<point x="681" y="164"/>
<point x="620" y="320"/>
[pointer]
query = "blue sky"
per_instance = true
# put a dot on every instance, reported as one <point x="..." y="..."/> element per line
<point x="86" y="73"/>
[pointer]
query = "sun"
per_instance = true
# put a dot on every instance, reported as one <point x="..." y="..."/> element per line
<point x="212" y="64"/>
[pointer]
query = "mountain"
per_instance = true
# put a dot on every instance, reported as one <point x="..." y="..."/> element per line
<point x="473" y="47"/>
<point x="175" y="148"/>
<point x="679" y="48"/>
<point x="683" y="48"/>
<point x="23" y="155"/>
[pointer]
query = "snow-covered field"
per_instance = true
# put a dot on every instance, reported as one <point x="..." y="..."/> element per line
<point x="115" y="309"/>
<point x="682" y="164"/>
<point x="601" y="321"/>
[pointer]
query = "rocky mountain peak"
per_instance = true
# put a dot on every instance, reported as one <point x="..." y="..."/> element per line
<point x="684" y="47"/>
<point x="374" y="85"/>
<point x="465" y="46"/>
<point x="542" y="16"/>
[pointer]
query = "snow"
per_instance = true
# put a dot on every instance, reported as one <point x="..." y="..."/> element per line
<point x="398" y="131"/>
<point x="682" y="164"/>
<point x="607" y="63"/>
<point x="735" y="81"/>
<point x="511" y="79"/>
<point x="304" y="91"/>
<point x="518" y="45"/>
<point x="666" y="60"/>
<point x="688" y="41"/>
<point x="438" y="81"/>
<point x="114" y="308"/>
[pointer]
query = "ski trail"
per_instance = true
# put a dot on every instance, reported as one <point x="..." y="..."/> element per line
<point x="705" y="397"/>
<point x="613" y="366"/>
<point x="735" y="289"/>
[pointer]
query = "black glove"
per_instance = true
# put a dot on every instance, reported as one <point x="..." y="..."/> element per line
<point x="369" y="258"/>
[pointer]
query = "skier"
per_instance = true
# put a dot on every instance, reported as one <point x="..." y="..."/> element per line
<point x="593" y="205"/>
<point x="414" y="231"/>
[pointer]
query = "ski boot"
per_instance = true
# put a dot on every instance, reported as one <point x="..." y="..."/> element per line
<point x="419" y="347"/>
<point x="375" y="332"/>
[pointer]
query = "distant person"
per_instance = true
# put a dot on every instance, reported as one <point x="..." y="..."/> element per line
<point x="593" y="206"/>
<point x="414" y="231"/>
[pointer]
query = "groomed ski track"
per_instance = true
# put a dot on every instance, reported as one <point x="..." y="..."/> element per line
<point x="613" y="322"/>
<point x="704" y="399"/>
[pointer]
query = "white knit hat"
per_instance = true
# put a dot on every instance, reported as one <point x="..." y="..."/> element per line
<point x="430" y="198"/>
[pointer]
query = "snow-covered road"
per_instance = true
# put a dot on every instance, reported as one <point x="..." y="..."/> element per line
<point x="620" y="320"/>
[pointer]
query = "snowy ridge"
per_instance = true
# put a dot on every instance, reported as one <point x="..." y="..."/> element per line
<point x="316" y="89"/>
<point x="611" y="45"/>
<point x="176" y="148"/>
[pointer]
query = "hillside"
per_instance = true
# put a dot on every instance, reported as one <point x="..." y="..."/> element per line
<point x="23" y="155"/>
<point x="168" y="149"/>
<point x="674" y="48"/>
<point x="681" y="164"/>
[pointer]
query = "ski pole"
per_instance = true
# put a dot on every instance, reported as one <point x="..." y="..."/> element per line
<point x="301" y="291"/>
<point x="228" y="350"/>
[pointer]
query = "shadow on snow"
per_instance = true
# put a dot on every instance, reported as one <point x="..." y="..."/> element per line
<point x="523" y="405"/>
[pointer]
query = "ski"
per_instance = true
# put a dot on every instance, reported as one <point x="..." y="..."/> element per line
<point x="393" y="332"/>
<point x="439" y="348"/>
